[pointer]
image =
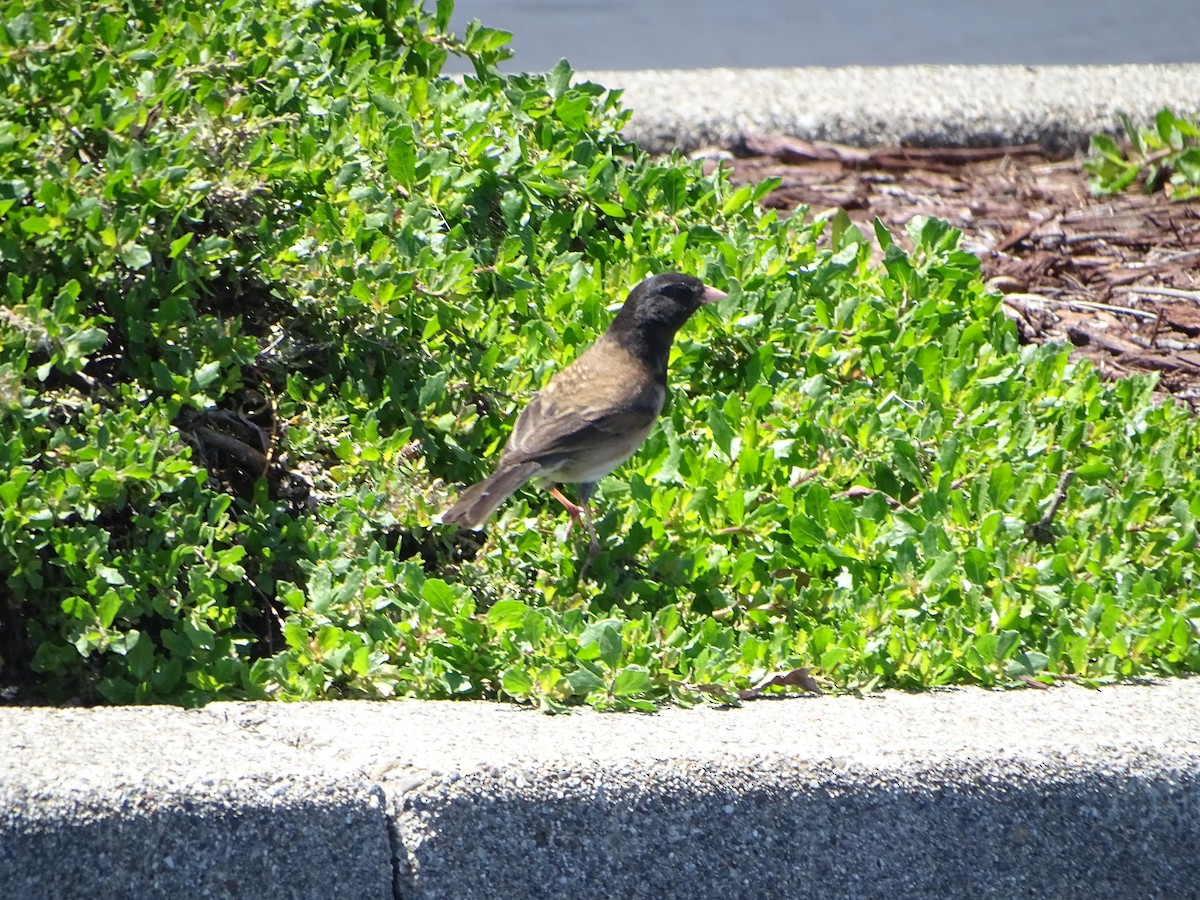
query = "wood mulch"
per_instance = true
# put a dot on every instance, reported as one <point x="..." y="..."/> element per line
<point x="1118" y="277"/>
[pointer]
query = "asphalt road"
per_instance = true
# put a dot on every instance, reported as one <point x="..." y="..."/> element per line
<point x="697" y="34"/>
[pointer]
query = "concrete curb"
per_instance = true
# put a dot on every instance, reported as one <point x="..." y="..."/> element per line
<point x="1058" y="793"/>
<point x="157" y="801"/>
<point x="1056" y="106"/>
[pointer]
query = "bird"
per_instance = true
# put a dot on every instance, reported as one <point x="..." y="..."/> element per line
<point x="595" y="413"/>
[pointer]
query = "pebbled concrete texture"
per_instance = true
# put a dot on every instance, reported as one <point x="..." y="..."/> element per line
<point x="1056" y="106"/>
<point x="1067" y="793"/>
<point x="157" y="802"/>
<point x="1058" y="793"/>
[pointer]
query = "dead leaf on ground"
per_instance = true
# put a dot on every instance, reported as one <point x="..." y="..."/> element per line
<point x="801" y="678"/>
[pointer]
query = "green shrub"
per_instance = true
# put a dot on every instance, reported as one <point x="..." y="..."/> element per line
<point x="274" y="286"/>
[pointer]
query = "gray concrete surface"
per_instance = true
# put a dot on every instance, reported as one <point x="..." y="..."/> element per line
<point x="162" y="802"/>
<point x="1056" y="106"/>
<point x="1058" y="793"/>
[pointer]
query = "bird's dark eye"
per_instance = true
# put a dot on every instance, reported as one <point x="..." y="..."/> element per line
<point x="680" y="293"/>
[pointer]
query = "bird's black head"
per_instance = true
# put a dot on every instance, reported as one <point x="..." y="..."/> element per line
<point x="662" y="303"/>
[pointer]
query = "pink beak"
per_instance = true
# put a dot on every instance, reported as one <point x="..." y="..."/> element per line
<point x="712" y="295"/>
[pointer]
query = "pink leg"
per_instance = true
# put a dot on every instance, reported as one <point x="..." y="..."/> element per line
<point x="576" y="513"/>
<point x="572" y="510"/>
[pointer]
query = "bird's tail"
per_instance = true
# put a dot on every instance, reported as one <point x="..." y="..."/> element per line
<point x="477" y="503"/>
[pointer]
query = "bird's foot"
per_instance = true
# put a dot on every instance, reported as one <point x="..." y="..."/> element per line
<point x="575" y="511"/>
<point x="580" y="514"/>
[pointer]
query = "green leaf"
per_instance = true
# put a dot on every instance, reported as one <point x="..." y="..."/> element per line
<point x="110" y="604"/>
<point x="136" y="256"/>
<point x="611" y="646"/>
<point x="614" y="210"/>
<point x="402" y="156"/>
<point x="179" y="244"/>
<point x="943" y="567"/>
<point x="435" y="387"/>
<point x="445" y="9"/>
<point x="506" y="615"/>
<point x="1133" y="134"/>
<point x="674" y="188"/>
<point x="1188" y="164"/>
<point x="1107" y="147"/>
<point x="440" y="596"/>
<point x="904" y="458"/>
<point x="840" y="228"/>
<point x="206" y="374"/>
<point x="721" y="431"/>
<point x="558" y="79"/>
<point x="16" y="189"/>
<point x="631" y="680"/>
<point x="89" y="340"/>
<point x="882" y="234"/>
<point x="516" y="683"/>
<point x="584" y="681"/>
<point x="35" y="224"/>
<point x="1097" y="470"/>
<point x="573" y="110"/>
<point x="605" y="635"/>
<point x="485" y="40"/>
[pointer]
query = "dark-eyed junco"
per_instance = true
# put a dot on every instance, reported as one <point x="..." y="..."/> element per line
<point x="597" y="411"/>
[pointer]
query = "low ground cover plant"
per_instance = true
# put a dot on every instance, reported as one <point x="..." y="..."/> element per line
<point x="273" y="287"/>
<point x="1162" y="157"/>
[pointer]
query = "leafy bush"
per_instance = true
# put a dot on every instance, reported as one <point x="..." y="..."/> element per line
<point x="1165" y="157"/>
<point x="274" y="286"/>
